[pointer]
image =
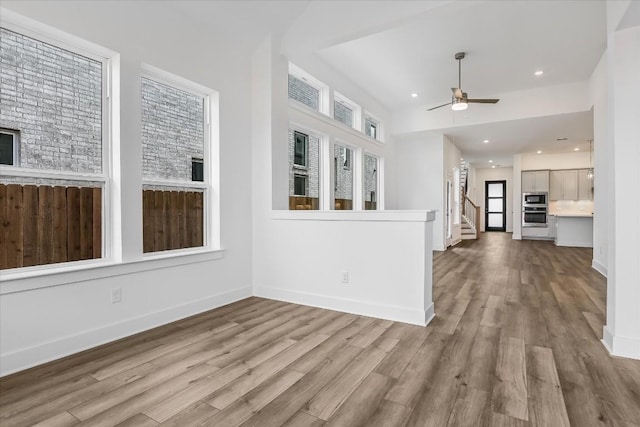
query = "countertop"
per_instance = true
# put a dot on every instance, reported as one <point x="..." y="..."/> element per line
<point x="572" y="214"/>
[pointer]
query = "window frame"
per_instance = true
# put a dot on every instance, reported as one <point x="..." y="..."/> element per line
<point x="356" y="110"/>
<point x="355" y="168"/>
<point x="211" y="162"/>
<point x="108" y="59"/>
<point x="323" y="89"/>
<point x="15" y="134"/>
<point x="378" y="173"/>
<point x="306" y="149"/>
<point x="378" y="126"/>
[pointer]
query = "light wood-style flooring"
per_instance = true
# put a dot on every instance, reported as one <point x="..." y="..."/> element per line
<point x="515" y="343"/>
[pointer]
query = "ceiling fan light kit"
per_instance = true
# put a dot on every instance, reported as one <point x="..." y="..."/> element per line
<point x="459" y="100"/>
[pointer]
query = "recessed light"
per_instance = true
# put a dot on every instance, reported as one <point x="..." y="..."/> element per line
<point x="490" y="161"/>
<point x="576" y="149"/>
<point x="414" y="95"/>
<point x="493" y="167"/>
<point x="539" y="152"/>
<point x="486" y="141"/>
<point x="538" y="73"/>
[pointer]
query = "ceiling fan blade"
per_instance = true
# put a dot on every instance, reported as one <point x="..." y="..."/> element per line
<point x="439" y="106"/>
<point x="457" y="92"/>
<point x="483" y="101"/>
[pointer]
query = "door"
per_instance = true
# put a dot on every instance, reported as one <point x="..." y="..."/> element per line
<point x="495" y="206"/>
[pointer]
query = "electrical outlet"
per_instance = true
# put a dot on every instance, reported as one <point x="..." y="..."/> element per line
<point x="345" y="277"/>
<point x="116" y="295"/>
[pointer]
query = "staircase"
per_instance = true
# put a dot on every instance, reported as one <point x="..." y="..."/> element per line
<point x="470" y="211"/>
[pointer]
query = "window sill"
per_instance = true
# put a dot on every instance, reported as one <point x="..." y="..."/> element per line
<point x="380" y="216"/>
<point x="19" y="280"/>
<point x="295" y="105"/>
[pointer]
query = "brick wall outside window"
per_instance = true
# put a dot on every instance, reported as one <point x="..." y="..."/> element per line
<point x="54" y="98"/>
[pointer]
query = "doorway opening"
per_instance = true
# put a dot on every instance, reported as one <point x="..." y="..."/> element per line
<point x="495" y="206"/>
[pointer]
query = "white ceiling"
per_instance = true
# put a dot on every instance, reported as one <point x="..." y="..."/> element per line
<point x="394" y="48"/>
<point x="505" y="41"/>
<point x="522" y="136"/>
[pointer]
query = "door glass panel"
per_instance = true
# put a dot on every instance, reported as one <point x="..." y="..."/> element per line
<point x="495" y="220"/>
<point x="495" y="190"/>
<point x="495" y="205"/>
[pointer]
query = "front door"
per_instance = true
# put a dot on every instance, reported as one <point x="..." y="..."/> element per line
<point x="495" y="206"/>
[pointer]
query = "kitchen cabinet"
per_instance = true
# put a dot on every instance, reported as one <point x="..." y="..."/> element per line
<point x="585" y="186"/>
<point x="563" y="185"/>
<point x="535" y="181"/>
<point x="574" y="230"/>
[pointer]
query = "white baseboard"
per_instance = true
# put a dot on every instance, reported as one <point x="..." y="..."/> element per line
<point x="516" y="236"/>
<point x="599" y="267"/>
<point x="388" y="312"/>
<point x="620" y="346"/>
<point x="52" y="350"/>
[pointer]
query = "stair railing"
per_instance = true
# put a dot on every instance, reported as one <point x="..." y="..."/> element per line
<point x="471" y="213"/>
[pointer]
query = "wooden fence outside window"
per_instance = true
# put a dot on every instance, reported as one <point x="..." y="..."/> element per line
<point x="172" y="220"/>
<point x="49" y="224"/>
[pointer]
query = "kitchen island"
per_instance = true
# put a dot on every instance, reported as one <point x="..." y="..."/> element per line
<point x="575" y="230"/>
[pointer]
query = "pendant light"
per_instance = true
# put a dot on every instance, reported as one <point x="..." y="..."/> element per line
<point x="590" y="171"/>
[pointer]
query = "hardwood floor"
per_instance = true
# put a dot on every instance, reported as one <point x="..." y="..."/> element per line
<point x="515" y="343"/>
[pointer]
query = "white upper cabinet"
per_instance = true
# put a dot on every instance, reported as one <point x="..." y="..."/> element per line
<point x="535" y="181"/>
<point x="564" y="185"/>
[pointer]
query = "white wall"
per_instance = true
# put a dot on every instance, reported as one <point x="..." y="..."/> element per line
<point x="451" y="162"/>
<point x="622" y="329"/>
<point x="420" y="179"/>
<point x="300" y="256"/>
<point x="43" y="324"/>
<point x="497" y="174"/>
<point x="554" y="161"/>
<point x="386" y="254"/>
<point x="601" y="185"/>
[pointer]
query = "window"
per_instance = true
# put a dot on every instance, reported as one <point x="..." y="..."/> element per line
<point x="304" y="170"/>
<point x="304" y="93"/>
<point x="175" y="138"/>
<point x="343" y="177"/>
<point x="300" y="185"/>
<point x="54" y="147"/>
<point x="371" y="127"/>
<point x="370" y="182"/>
<point x="342" y="113"/>
<point x="9" y="147"/>
<point x="197" y="170"/>
<point x="307" y="90"/>
<point x="346" y="111"/>
<point x="300" y="149"/>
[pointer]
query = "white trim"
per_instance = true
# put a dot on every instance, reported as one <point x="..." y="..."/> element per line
<point x="211" y="152"/>
<point x="50" y="174"/>
<point x="362" y="138"/>
<point x="620" y="346"/>
<point x="599" y="267"/>
<point x="380" y="215"/>
<point x="109" y="114"/>
<point x="388" y="312"/>
<point x="37" y="277"/>
<point x="53" y="350"/>
<point x="196" y="185"/>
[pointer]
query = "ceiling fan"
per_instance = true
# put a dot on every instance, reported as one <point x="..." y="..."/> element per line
<point x="459" y="100"/>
